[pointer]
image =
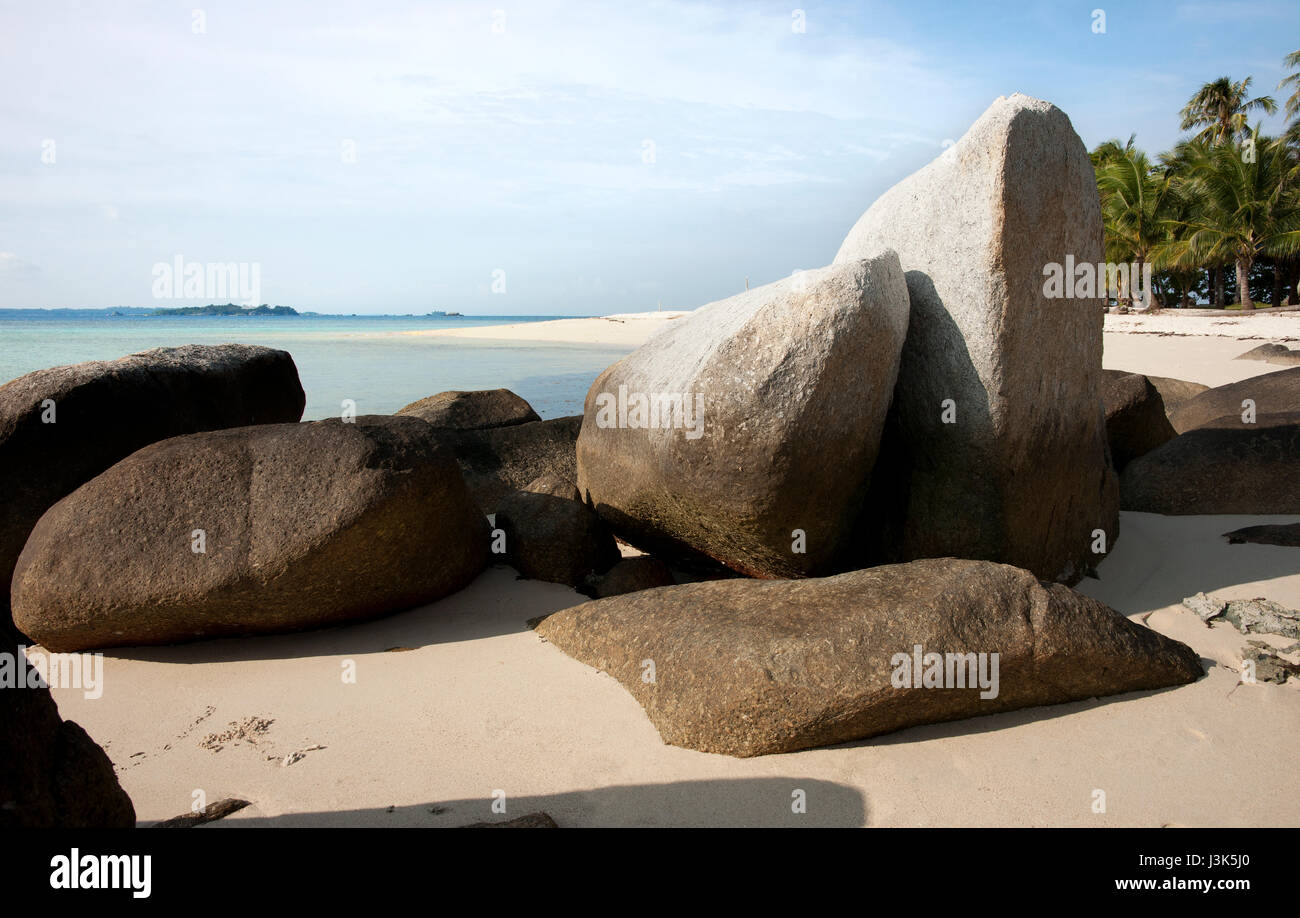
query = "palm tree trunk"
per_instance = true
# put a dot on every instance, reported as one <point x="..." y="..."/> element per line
<point x="1278" y="270"/>
<point x="1243" y="283"/>
<point x="1220" y="282"/>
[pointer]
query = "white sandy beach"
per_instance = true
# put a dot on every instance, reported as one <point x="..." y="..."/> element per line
<point x="479" y="704"/>
<point x="629" y="329"/>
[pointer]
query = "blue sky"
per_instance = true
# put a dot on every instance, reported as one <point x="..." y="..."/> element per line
<point x="600" y="157"/>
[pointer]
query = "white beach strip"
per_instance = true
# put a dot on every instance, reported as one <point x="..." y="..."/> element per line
<point x="1194" y="347"/>
<point x="630" y="329"/>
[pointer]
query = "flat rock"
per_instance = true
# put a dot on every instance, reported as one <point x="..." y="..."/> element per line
<point x="750" y="667"/>
<point x="211" y="813"/>
<point x="1223" y="466"/>
<point x="750" y="421"/>
<point x="537" y="820"/>
<point x="475" y="410"/>
<point x="996" y="444"/>
<point x="1249" y="616"/>
<point x="299" y="526"/>
<point x="498" y="460"/>
<point x="1135" y="418"/>
<point x="107" y="409"/>
<point x="1277" y="392"/>
<point x="1273" y="353"/>
<point x="1287" y="534"/>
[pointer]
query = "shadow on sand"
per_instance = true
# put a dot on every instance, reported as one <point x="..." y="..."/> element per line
<point x="743" y="802"/>
<point x="486" y="608"/>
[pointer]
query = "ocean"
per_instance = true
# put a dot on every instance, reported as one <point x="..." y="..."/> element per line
<point x="363" y="358"/>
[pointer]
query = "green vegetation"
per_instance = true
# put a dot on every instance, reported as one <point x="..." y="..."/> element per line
<point x="229" y="309"/>
<point x="1217" y="217"/>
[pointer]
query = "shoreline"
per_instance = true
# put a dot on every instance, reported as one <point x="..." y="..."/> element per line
<point x="618" y="329"/>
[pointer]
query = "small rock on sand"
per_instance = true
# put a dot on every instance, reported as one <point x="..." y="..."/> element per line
<point x="531" y="821"/>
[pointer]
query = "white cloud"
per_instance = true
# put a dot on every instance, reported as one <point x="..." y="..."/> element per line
<point x="13" y="268"/>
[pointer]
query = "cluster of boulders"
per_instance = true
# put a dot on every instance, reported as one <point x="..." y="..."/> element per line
<point x="59" y="430"/>
<point x="900" y="461"/>
<point x="1230" y="449"/>
<point x="922" y="397"/>
<point x="175" y="495"/>
<point x="900" y="453"/>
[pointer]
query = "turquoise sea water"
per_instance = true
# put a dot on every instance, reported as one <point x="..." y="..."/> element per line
<point x="364" y="358"/>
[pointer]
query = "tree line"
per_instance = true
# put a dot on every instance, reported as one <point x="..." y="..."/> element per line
<point x="1217" y="218"/>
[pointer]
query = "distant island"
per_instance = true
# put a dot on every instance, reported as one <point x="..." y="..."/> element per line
<point x="229" y="309"/>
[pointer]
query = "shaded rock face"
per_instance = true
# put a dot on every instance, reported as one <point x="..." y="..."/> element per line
<point x="1172" y="391"/>
<point x="553" y="537"/>
<point x="1273" y="393"/>
<point x="1273" y="353"/>
<point x="1135" y="418"/>
<point x="476" y="410"/>
<point x="1021" y="473"/>
<point x="252" y="530"/>
<point x="745" y="667"/>
<point x="52" y="775"/>
<point x="103" y="411"/>
<point x="633" y="574"/>
<point x="1223" y="466"/>
<point x="499" y="460"/>
<point x="777" y="397"/>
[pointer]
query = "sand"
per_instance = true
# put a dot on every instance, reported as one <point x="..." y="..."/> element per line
<point x="476" y="704"/>
<point x="630" y="329"/>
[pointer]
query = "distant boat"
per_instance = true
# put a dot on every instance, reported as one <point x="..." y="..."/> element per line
<point x="439" y="314"/>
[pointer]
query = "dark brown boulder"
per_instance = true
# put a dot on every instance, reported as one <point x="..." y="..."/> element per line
<point x="252" y="530"/>
<point x="499" y="460"/>
<point x="477" y="410"/>
<point x="633" y="574"/>
<point x="1135" y="418"/>
<point x="1272" y="393"/>
<point x="1172" y="391"/>
<point x="105" y="410"/>
<point x="553" y="537"/>
<point x="1224" y="466"/>
<point x="52" y="774"/>
<point x="751" y="667"/>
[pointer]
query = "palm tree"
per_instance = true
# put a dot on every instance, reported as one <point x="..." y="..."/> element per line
<point x="1112" y="149"/>
<point x="1292" y="62"/>
<point x="1221" y="110"/>
<point x="1247" y="206"/>
<point x="1133" y="196"/>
